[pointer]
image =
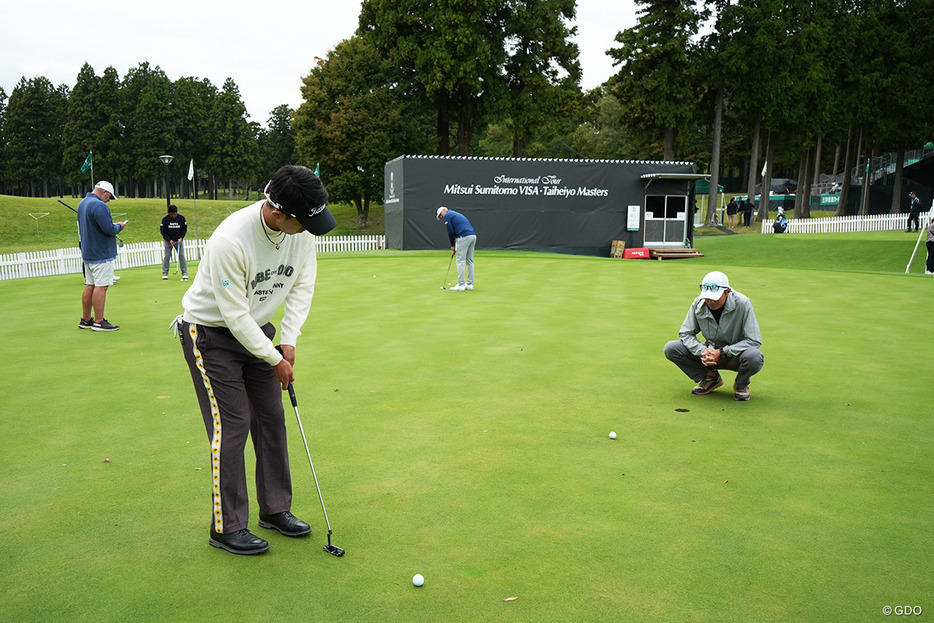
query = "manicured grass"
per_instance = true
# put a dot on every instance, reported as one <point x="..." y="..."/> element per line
<point x="21" y="232"/>
<point x="879" y="251"/>
<point x="464" y="436"/>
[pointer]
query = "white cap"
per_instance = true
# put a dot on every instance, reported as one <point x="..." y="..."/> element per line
<point x="713" y="285"/>
<point x="103" y="185"/>
<point x="438" y="213"/>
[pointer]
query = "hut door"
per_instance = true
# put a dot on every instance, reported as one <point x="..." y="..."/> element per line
<point x="666" y="220"/>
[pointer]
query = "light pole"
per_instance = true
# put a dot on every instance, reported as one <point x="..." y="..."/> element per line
<point x="166" y="159"/>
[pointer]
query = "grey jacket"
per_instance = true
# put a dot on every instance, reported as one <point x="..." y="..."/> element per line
<point x="737" y="331"/>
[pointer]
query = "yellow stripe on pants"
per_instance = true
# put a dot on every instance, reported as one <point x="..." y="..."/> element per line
<point x="216" y="437"/>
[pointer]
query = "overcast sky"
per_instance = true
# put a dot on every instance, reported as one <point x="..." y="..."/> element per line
<point x="267" y="49"/>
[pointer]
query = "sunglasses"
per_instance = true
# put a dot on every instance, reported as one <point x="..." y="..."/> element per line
<point x="710" y="287"/>
<point x="279" y="206"/>
<point x="273" y="203"/>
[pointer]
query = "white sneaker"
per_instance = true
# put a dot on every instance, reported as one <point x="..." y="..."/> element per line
<point x="470" y="286"/>
<point x="927" y="272"/>
<point x="458" y="288"/>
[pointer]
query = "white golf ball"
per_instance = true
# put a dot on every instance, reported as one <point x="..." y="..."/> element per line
<point x="612" y="434"/>
<point x="417" y="579"/>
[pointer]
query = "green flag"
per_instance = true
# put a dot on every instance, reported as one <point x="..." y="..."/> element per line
<point x="87" y="163"/>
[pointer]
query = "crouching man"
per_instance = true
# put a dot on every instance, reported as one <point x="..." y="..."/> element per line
<point x="731" y="338"/>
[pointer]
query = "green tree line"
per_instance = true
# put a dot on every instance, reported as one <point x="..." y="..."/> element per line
<point x="747" y="89"/>
<point x="47" y="132"/>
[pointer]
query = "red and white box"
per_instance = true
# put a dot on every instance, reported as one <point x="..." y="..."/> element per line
<point x="636" y="254"/>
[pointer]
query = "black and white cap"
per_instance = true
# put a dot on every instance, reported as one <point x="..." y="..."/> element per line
<point x="317" y="220"/>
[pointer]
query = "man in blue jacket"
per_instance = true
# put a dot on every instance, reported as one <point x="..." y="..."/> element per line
<point x="98" y="234"/>
<point x="463" y="242"/>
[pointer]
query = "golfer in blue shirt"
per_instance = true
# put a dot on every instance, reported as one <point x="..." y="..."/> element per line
<point x="463" y="242"/>
<point x="98" y="234"/>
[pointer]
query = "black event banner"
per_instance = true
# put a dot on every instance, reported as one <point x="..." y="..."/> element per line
<point x="561" y="205"/>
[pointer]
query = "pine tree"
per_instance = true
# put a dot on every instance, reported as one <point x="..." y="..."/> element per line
<point x="542" y="70"/>
<point x="82" y="125"/>
<point x="33" y="128"/>
<point x="654" y="81"/>
<point x="453" y="55"/>
<point x="192" y="101"/>
<point x="111" y="160"/>
<point x="235" y="155"/>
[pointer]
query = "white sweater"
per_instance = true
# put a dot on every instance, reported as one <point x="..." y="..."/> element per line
<point x="243" y="279"/>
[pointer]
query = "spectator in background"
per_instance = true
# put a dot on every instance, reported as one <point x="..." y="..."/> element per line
<point x="930" y="246"/>
<point x="914" y="212"/>
<point x="732" y="208"/>
<point x="747" y="208"/>
<point x="173" y="229"/>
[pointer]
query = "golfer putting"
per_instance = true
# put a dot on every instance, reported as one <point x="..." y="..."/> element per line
<point x="259" y="259"/>
<point x="463" y="242"/>
<point x="731" y="338"/>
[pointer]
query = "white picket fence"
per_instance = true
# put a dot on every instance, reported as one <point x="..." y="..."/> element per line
<point x="843" y="224"/>
<point x="68" y="261"/>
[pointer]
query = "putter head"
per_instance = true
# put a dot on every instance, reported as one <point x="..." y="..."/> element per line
<point x="442" y="287"/>
<point x="334" y="550"/>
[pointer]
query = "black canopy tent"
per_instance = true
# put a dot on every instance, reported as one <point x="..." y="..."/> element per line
<point x="780" y="186"/>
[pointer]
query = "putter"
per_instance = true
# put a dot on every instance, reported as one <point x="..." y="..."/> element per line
<point x="331" y="549"/>
<point x="448" y="271"/>
<point x="175" y="253"/>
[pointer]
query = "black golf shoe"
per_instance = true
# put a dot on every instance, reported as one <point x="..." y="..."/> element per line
<point x="103" y="325"/>
<point x="286" y="523"/>
<point x="239" y="542"/>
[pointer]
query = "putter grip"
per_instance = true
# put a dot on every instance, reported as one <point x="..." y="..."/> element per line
<point x="291" y="389"/>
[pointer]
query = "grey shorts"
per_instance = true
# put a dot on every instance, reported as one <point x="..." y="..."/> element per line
<point x="99" y="275"/>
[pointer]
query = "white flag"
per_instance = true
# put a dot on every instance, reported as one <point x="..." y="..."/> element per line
<point x="764" y="164"/>
<point x="191" y="170"/>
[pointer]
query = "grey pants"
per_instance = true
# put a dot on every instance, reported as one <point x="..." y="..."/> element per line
<point x="463" y="248"/>
<point x="167" y="257"/>
<point x="239" y="396"/>
<point x="745" y="364"/>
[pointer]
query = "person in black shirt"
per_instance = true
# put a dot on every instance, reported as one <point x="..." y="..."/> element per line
<point x="914" y="212"/>
<point x="173" y="230"/>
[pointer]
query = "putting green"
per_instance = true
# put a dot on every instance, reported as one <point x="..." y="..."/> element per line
<point x="464" y="437"/>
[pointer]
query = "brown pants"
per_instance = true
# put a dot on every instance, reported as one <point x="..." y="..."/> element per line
<point x="239" y="396"/>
